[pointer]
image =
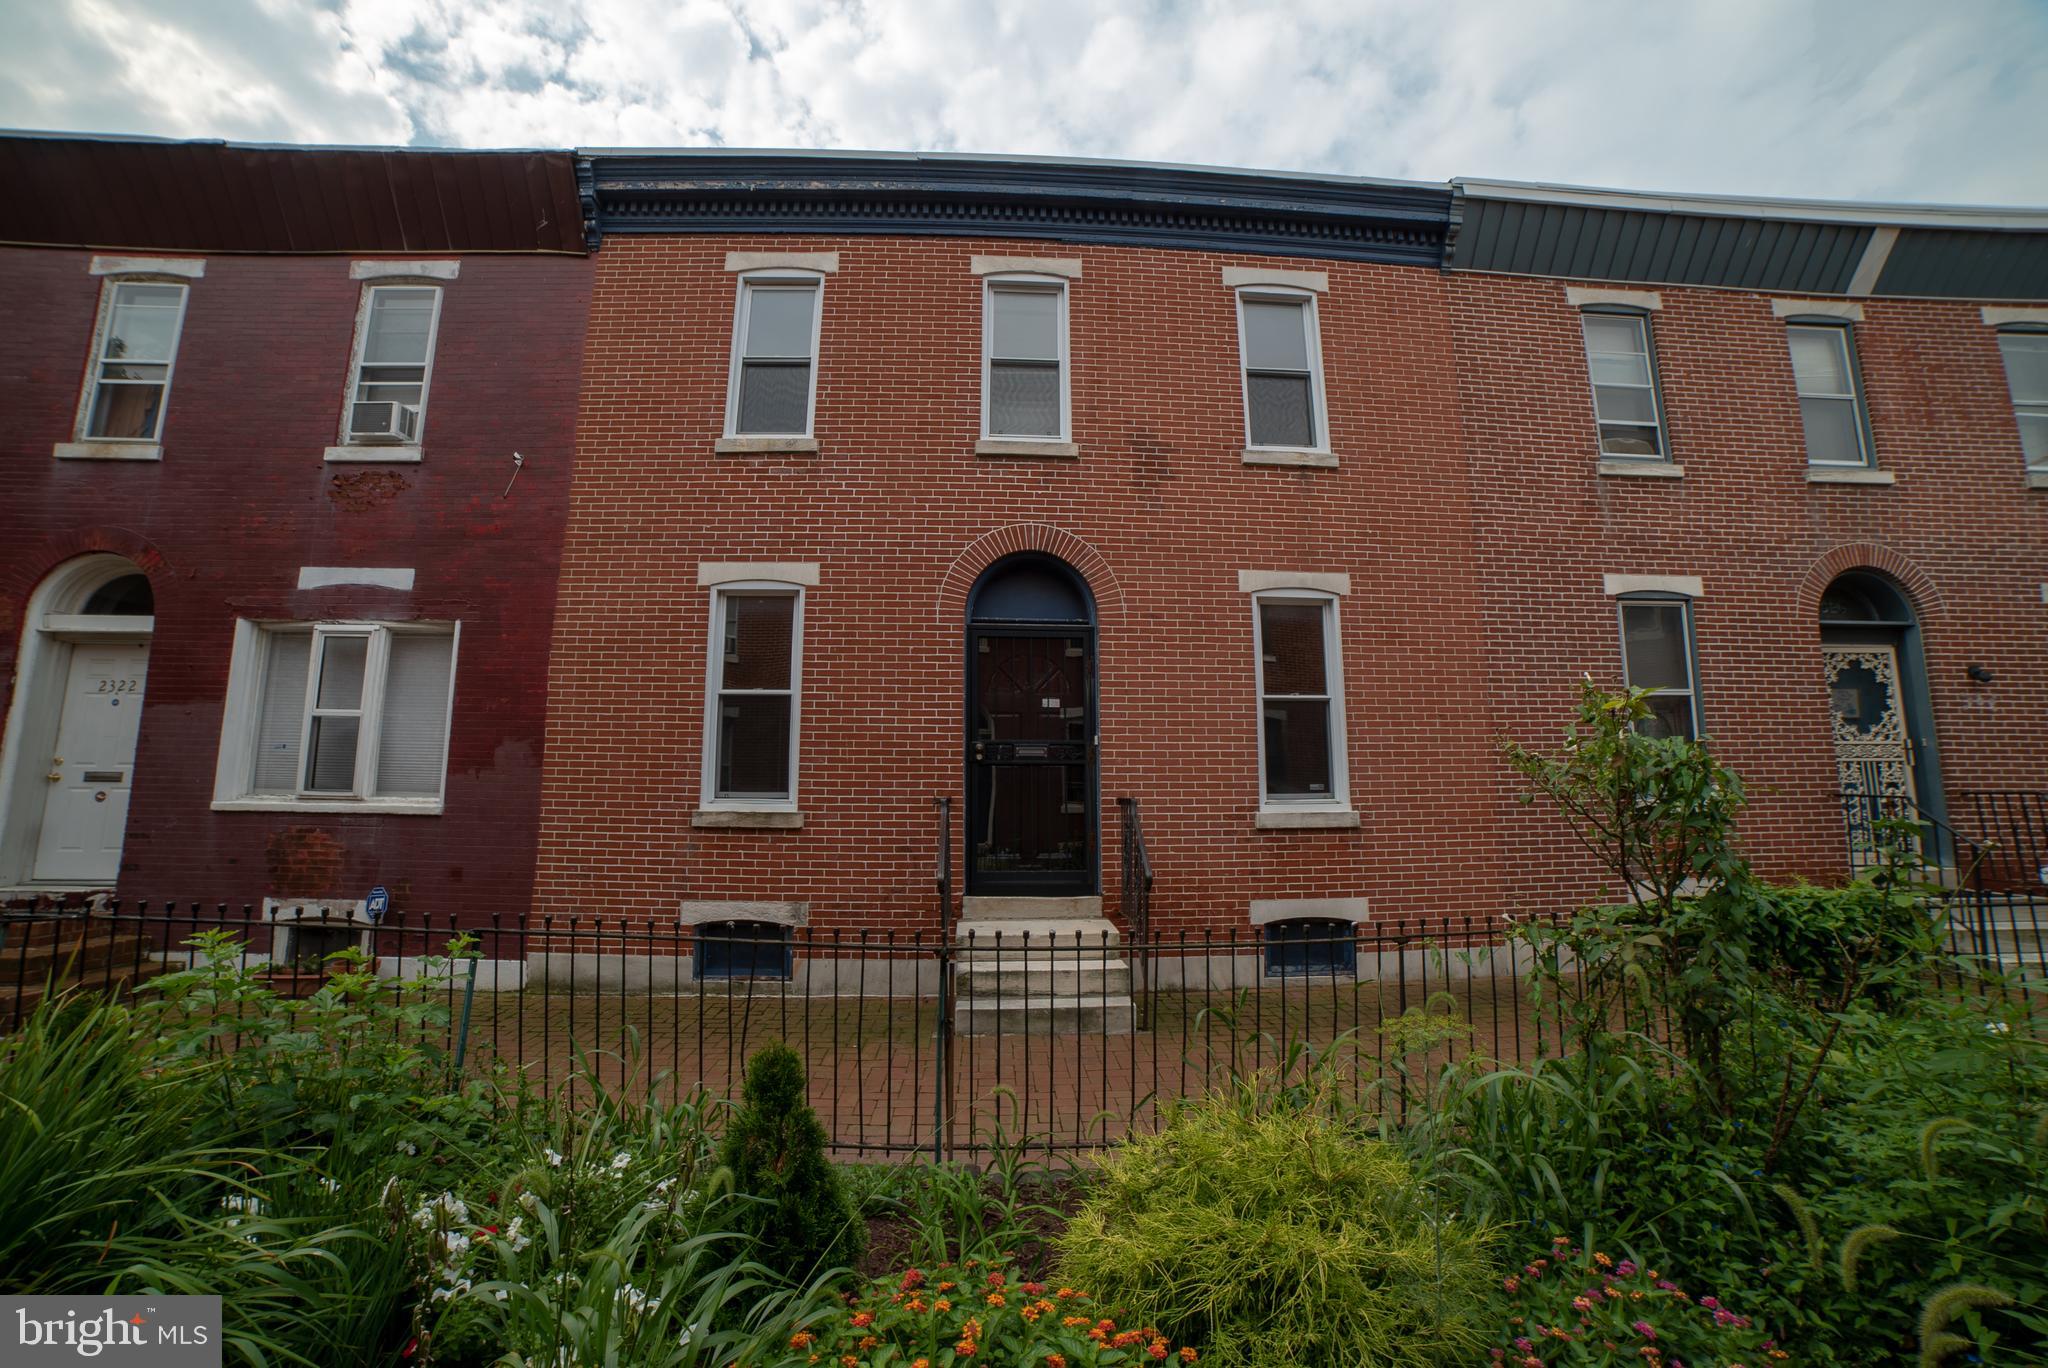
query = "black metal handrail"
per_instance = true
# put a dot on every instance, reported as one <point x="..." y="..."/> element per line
<point x="1137" y="902"/>
<point x="2014" y="823"/>
<point x="1941" y="845"/>
<point x="942" y="877"/>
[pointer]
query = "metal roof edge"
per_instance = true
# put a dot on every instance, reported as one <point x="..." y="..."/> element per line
<point x="1873" y="213"/>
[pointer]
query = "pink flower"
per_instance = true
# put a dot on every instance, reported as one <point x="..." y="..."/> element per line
<point x="1709" y="1303"/>
<point x="1525" y="1344"/>
<point x="1625" y="1269"/>
<point x="1511" y="1283"/>
<point x="1645" y="1329"/>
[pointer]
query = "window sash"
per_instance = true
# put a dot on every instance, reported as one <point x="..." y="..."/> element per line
<point x="366" y="376"/>
<point x="993" y="360"/>
<point x="1850" y="399"/>
<point x="1690" y="690"/>
<point x="748" y="362"/>
<point x="1331" y="698"/>
<point x="105" y="384"/>
<point x="1616" y="427"/>
<point x="723" y="644"/>
<point x="2029" y="405"/>
<point x="1311" y="325"/>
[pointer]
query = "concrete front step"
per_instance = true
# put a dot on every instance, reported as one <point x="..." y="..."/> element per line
<point x="74" y="953"/>
<point x="985" y="907"/>
<point x="1081" y="1014"/>
<point x="17" y="1000"/>
<point x="1068" y="935"/>
<point x="1041" y="979"/>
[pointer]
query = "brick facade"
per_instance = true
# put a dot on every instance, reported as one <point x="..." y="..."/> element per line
<point x="1158" y="513"/>
<point x="1466" y="509"/>
<point x="242" y="499"/>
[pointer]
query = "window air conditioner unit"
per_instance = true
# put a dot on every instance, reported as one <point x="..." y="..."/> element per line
<point x="387" y="421"/>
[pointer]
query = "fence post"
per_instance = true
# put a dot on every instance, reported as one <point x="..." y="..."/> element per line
<point x="462" y="1037"/>
<point x="942" y="1054"/>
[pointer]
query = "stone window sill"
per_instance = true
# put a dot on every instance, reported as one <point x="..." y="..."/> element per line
<point x="108" y="451"/>
<point x="2037" y="479"/>
<point x="748" y="819"/>
<point x="1025" y="446"/>
<point x="1304" y="819"/>
<point x="765" y="446"/>
<point x="1858" y="475"/>
<point x="395" y="455"/>
<point x="379" y="807"/>
<point x="1262" y="456"/>
<point x="1643" y="470"/>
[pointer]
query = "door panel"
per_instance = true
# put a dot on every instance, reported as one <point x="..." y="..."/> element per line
<point x="85" y="812"/>
<point x="1873" y="739"/>
<point x="1030" y="763"/>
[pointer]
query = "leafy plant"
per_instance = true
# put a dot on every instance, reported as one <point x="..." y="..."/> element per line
<point x="1568" y="1305"/>
<point x="976" y="1311"/>
<point x="799" y="1219"/>
<point x="1275" y="1234"/>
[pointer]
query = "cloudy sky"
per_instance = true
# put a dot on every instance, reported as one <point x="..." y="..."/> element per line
<point x="1867" y="99"/>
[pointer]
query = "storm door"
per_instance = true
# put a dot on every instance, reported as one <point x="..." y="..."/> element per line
<point x="1031" y="752"/>
<point x="1881" y="728"/>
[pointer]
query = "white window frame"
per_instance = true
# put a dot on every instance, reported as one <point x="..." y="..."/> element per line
<point x="742" y="317"/>
<point x="234" y="775"/>
<point x="1339" y="797"/>
<point x="355" y="359"/>
<point x="1858" y="409"/>
<point x="2029" y="408"/>
<point x="96" y="359"/>
<point x="1692" y="665"/>
<point x="1601" y="422"/>
<point x="714" y="692"/>
<point x="1045" y="284"/>
<point x="1312" y="324"/>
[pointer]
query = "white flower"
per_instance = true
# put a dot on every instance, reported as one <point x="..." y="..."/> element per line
<point x="530" y="1202"/>
<point x="331" y="1186"/>
<point x="685" y="1340"/>
<point x="408" y="1147"/>
<point x="514" y="1238"/>
<point x="621" y="1162"/>
<point x="554" y="1159"/>
<point x="1997" y="1027"/>
<point x="501" y="1294"/>
<point x="661" y="1188"/>
<point x="641" y="1303"/>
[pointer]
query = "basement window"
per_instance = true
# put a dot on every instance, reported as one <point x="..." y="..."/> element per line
<point x="742" y="950"/>
<point x="1306" y="947"/>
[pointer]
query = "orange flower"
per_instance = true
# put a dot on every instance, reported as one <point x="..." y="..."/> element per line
<point x="995" y="1280"/>
<point x="1034" y="1288"/>
<point x="1187" y="1353"/>
<point x="947" y="1286"/>
<point x="1071" y="1321"/>
<point x="1066" y="1292"/>
<point x="863" y="1319"/>
<point x="848" y="1361"/>
<point x="921" y="1363"/>
<point x="867" y="1342"/>
<point x="802" y="1339"/>
<point x="996" y="1299"/>
<point x="943" y="1304"/>
<point x="1055" y="1361"/>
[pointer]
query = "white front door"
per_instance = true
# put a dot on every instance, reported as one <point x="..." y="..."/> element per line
<point x="86" y="810"/>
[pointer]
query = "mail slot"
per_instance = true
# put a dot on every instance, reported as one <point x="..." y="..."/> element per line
<point x="104" y="776"/>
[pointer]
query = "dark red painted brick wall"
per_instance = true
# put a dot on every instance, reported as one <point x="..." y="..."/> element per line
<point x="242" y="499"/>
<point x="1960" y="531"/>
<point x="1158" y="513"/>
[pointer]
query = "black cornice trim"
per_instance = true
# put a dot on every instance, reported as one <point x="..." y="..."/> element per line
<point x="1074" y="202"/>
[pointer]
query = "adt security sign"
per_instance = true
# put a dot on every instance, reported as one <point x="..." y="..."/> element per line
<point x="377" y="904"/>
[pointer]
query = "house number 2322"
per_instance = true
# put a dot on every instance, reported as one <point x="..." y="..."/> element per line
<point x="116" y="686"/>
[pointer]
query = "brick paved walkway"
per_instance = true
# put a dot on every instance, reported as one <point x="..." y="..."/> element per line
<point x="874" y="1069"/>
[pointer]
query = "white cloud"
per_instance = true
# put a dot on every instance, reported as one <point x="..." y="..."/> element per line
<point x="1884" y="99"/>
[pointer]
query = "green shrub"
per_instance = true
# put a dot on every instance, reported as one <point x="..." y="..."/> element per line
<point x="1271" y="1236"/>
<point x="800" y="1218"/>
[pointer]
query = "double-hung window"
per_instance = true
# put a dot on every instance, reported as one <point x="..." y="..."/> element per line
<point x="1830" y="393"/>
<point x="1301" y="725"/>
<point x="755" y="677"/>
<point x="338" y="712"/>
<point x="136" y="347"/>
<point x="2026" y="375"/>
<point x="1280" y="351"/>
<point x="773" y="387"/>
<point x="1624" y="374"/>
<point x="1656" y="654"/>
<point x="394" y="360"/>
<point x="1024" y="359"/>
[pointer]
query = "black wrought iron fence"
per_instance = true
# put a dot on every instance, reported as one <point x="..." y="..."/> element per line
<point x="915" y="1043"/>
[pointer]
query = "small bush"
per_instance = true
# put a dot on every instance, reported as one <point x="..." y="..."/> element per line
<point x="801" y="1219"/>
<point x="978" y="1312"/>
<point x="1279" y="1236"/>
<point x="1568" y="1306"/>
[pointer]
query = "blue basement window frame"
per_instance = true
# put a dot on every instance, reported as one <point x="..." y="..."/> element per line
<point x="1307" y="946"/>
<point x="742" y="950"/>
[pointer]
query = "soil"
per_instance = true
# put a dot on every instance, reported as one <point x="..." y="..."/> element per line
<point x="890" y="1238"/>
